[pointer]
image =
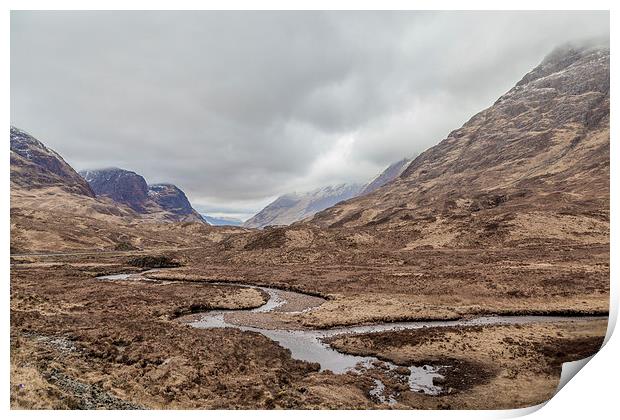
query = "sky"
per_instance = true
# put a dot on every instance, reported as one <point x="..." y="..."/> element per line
<point x="237" y="108"/>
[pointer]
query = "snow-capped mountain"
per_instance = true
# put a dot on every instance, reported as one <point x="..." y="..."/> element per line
<point x="292" y="207"/>
<point x="221" y="221"/>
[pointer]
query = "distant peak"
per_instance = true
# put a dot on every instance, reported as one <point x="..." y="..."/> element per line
<point x="107" y="169"/>
<point x="564" y="56"/>
<point x="163" y="185"/>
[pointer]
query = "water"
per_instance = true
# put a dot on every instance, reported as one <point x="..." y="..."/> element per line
<point x="308" y="345"/>
<point x="124" y="276"/>
<point x="422" y="379"/>
<point x="378" y="393"/>
<point x="303" y="344"/>
<point x="274" y="300"/>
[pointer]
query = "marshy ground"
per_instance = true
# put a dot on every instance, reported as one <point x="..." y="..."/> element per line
<point x="82" y="342"/>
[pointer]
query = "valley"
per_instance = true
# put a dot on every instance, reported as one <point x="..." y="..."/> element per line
<point x="463" y="281"/>
<point x="137" y="338"/>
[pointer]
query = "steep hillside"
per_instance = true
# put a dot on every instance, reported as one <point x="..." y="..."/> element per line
<point x="34" y="166"/>
<point x="533" y="167"/>
<point x="389" y="174"/>
<point x="163" y="201"/>
<point x="170" y="198"/>
<point x="120" y="185"/>
<point x="290" y="208"/>
<point x="54" y="209"/>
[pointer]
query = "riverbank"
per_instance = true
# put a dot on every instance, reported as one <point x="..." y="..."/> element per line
<point x="499" y="366"/>
<point x="121" y="339"/>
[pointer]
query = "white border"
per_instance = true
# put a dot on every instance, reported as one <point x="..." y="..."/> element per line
<point x="592" y="394"/>
<point x="309" y="5"/>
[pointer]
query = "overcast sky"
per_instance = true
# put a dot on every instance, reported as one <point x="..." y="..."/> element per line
<point x="239" y="107"/>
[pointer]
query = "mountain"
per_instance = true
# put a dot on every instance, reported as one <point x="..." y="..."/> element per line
<point x="122" y="186"/>
<point x="172" y="199"/>
<point x="290" y="208"/>
<point x="532" y="168"/>
<point x="129" y="188"/>
<point x="53" y="209"/>
<point x="389" y="174"/>
<point x="293" y="207"/>
<point x="34" y="166"/>
<point x="221" y="221"/>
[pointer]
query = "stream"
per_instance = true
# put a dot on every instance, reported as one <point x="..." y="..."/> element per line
<point x="308" y="345"/>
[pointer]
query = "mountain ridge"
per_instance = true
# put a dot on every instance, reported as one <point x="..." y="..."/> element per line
<point x="34" y="165"/>
<point x="390" y="173"/>
<point x="129" y="188"/>
<point x="285" y="209"/>
<point x="292" y="207"/>
<point x="535" y="164"/>
<point x="54" y="209"/>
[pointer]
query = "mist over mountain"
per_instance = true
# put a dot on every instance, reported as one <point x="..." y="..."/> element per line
<point x="389" y="174"/>
<point x="533" y="166"/>
<point x="292" y="207"/>
<point x="337" y="101"/>
<point x="464" y="278"/>
<point x="221" y="221"/>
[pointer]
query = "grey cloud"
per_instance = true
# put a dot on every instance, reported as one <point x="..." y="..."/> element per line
<point x="238" y="107"/>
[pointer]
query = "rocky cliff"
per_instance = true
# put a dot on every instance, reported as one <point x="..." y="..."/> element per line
<point x="122" y="186"/>
<point x="170" y="198"/>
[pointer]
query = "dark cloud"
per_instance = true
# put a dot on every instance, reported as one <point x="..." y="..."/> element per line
<point x="237" y="107"/>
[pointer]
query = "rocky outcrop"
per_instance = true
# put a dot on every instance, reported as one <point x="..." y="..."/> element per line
<point x="35" y="166"/>
<point x="171" y="199"/>
<point x="122" y="186"/>
<point x="129" y="188"/>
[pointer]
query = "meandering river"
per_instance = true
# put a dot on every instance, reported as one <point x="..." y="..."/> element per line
<point x="309" y="345"/>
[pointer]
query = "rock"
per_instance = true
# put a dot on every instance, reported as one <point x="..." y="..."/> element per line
<point x="170" y="198"/>
<point x="401" y="370"/>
